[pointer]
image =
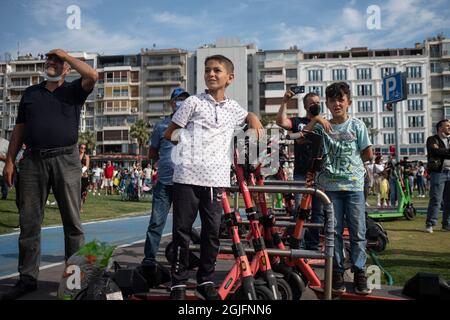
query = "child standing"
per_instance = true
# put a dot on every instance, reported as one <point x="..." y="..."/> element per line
<point x="202" y="170"/>
<point x="384" y="189"/>
<point x="346" y="148"/>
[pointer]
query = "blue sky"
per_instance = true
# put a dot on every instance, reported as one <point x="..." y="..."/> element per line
<point x="127" y="26"/>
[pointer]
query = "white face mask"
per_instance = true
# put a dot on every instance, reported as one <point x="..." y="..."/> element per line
<point x="52" y="79"/>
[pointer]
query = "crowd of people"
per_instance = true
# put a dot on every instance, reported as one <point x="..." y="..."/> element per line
<point x="381" y="180"/>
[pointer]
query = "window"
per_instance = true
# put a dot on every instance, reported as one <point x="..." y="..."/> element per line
<point x="156" y="92"/>
<point x="368" y="121"/>
<point x="415" y="104"/>
<point x="387" y="71"/>
<point x="421" y="151"/>
<point x="339" y="74"/>
<point x="414" y="88"/>
<point x="416" y="137"/>
<point x="388" y="138"/>
<point x="388" y="122"/>
<point x="275" y="86"/>
<point x="435" y="67"/>
<point x="447" y="113"/>
<point x="364" y="90"/>
<point x="291" y="73"/>
<point x="365" y="106"/>
<point x="316" y="89"/>
<point x="315" y="75"/>
<point x="363" y="73"/>
<point x="415" y="121"/>
<point x="414" y="72"/>
<point x="435" y="51"/>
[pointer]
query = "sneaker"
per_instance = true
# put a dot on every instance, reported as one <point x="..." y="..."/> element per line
<point x="338" y="282"/>
<point x="207" y="291"/>
<point x="178" y="293"/>
<point x="360" y="283"/>
<point x="446" y="228"/>
<point x="429" y="229"/>
<point x="20" y="289"/>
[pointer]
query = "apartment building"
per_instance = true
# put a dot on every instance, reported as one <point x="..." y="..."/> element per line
<point x="162" y="71"/>
<point x="117" y="103"/>
<point x="364" y="70"/>
<point x="438" y="49"/>
<point x="277" y="71"/>
<point x="17" y="76"/>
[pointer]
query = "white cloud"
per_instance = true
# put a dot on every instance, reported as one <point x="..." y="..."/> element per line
<point x="402" y="23"/>
<point x="176" y="20"/>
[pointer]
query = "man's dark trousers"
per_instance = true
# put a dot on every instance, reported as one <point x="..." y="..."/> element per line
<point x="39" y="172"/>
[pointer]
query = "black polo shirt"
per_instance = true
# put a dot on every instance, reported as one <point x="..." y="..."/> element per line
<point x="302" y="152"/>
<point x="52" y="118"/>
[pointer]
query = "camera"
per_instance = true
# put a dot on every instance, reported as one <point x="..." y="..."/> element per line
<point x="297" y="89"/>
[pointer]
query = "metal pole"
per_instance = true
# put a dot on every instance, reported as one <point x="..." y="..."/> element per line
<point x="397" y="133"/>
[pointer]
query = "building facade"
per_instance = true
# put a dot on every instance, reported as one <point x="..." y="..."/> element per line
<point x="438" y="49"/>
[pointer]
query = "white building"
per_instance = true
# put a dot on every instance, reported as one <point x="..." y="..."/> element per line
<point x="364" y="69"/>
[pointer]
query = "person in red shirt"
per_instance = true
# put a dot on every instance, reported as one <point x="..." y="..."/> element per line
<point x="109" y="173"/>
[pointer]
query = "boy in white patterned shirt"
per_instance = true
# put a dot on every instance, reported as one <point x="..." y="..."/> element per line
<point x="202" y="171"/>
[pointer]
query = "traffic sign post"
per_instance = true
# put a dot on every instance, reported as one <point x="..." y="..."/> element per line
<point x="395" y="89"/>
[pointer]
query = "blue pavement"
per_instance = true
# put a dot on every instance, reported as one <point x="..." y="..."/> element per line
<point x="117" y="232"/>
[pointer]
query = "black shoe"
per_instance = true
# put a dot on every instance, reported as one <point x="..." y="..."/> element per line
<point x="178" y="293"/>
<point x="207" y="291"/>
<point x="20" y="289"/>
<point x="338" y="283"/>
<point x="360" y="283"/>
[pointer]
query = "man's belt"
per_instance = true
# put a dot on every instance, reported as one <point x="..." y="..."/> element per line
<point x="52" y="152"/>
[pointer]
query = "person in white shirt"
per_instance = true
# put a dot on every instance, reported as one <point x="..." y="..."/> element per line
<point x="202" y="170"/>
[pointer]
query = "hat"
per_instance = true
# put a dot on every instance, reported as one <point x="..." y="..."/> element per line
<point x="178" y="92"/>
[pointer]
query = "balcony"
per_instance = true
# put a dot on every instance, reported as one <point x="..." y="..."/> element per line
<point x="158" y="97"/>
<point x="165" y="81"/>
<point x="277" y="64"/>
<point x="274" y="93"/>
<point x="163" y="66"/>
<point x="117" y="110"/>
<point x="445" y="54"/>
<point x="274" y="78"/>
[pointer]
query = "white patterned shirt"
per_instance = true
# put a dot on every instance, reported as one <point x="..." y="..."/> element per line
<point x="203" y="155"/>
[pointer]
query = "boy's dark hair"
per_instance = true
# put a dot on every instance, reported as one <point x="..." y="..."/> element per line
<point x="307" y="96"/>
<point x="337" y="90"/>
<point x="222" y="59"/>
<point x="440" y="123"/>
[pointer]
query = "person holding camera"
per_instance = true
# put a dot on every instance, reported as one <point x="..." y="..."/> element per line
<point x="438" y="156"/>
<point x="302" y="153"/>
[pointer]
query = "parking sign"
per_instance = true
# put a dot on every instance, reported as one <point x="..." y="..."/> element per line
<point x="394" y="87"/>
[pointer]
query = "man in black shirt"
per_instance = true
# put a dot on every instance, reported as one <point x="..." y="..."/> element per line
<point x="47" y="122"/>
<point x="303" y="155"/>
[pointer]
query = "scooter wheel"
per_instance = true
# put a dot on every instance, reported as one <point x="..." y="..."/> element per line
<point x="263" y="293"/>
<point x="380" y="244"/>
<point x="410" y="212"/>
<point x="297" y="285"/>
<point x="284" y="289"/>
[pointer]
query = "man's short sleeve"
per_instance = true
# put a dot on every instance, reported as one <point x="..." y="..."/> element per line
<point x="362" y="135"/>
<point x="184" y="113"/>
<point x="21" y="118"/>
<point x="155" y="140"/>
<point x="79" y="94"/>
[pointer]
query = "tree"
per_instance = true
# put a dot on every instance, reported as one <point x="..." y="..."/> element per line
<point x="87" y="138"/>
<point x="141" y="132"/>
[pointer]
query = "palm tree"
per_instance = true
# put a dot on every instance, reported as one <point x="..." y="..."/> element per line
<point x="141" y="132"/>
<point x="87" y="138"/>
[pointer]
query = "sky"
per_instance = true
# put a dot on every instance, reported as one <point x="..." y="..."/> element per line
<point x="124" y="27"/>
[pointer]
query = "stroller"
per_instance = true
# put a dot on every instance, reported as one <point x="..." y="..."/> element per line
<point x="129" y="188"/>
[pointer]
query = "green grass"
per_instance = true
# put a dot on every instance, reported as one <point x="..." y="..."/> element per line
<point x="411" y="250"/>
<point x="95" y="208"/>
